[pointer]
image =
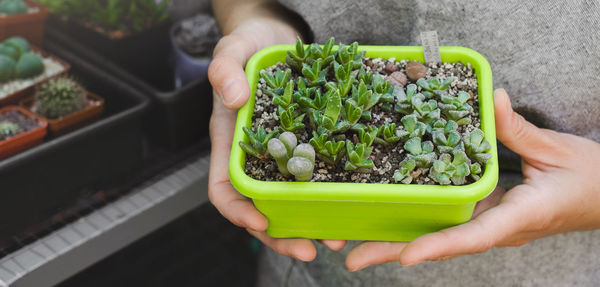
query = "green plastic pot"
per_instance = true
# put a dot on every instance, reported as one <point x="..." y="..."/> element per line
<point x="364" y="211"/>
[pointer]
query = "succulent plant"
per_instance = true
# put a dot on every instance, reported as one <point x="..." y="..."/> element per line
<point x="477" y="147"/>
<point x="446" y="170"/>
<point x="421" y="152"/>
<point x="442" y="124"/>
<point x="365" y="76"/>
<point x="29" y="65"/>
<point x="10" y="51"/>
<point x="258" y="142"/>
<point x="456" y="108"/>
<point x="404" y="99"/>
<point x="388" y="133"/>
<point x="278" y="80"/>
<point x="364" y="98"/>
<point x="344" y="79"/>
<point x="329" y="120"/>
<point x="59" y="97"/>
<point x="309" y="98"/>
<point x="434" y="86"/>
<point x="291" y="158"/>
<point x="445" y="142"/>
<point x="349" y="54"/>
<point x="352" y="113"/>
<point x="286" y="99"/>
<point x="314" y="74"/>
<point x="11" y="7"/>
<point x="403" y="174"/>
<point x="288" y="119"/>
<point x="19" y="43"/>
<point x="357" y="156"/>
<point x="475" y="171"/>
<point x="324" y="53"/>
<point x="7" y="68"/>
<point x="8" y="128"/>
<point x="303" y="162"/>
<point x="426" y="111"/>
<point x="298" y="57"/>
<point x="412" y="127"/>
<point x="368" y="136"/>
<point x="330" y="151"/>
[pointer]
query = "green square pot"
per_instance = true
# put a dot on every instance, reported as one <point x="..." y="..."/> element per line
<point x="364" y="211"/>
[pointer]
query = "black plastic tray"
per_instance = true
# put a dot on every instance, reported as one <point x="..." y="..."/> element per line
<point x="179" y="117"/>
<point x="39" y="182"/>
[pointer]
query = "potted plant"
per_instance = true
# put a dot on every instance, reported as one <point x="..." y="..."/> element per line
<point x="23" y="66"/>
<point x="193" y="41"/>
<point x="348" y="143"/>
<point x="132" y="33"/>
<point x="64" y="104"/>
<point x="23" y="18"/>
<point x="19" y="130"/>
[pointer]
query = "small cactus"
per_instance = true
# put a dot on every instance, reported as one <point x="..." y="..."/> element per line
<point x="8" y="129"/>
<point x="7" y="68"/>
<point x="258" y="142"/>
<point x="29" y="65"/>
<point x="11" y="7"/>
<point x="59" y="97"/>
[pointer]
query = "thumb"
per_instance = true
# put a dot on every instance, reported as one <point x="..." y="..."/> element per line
<point x="516" y="133"/>
<point x="226" y="71"/>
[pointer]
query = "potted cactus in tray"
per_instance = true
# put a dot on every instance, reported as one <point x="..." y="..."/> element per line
<point x="359" y="145"/>
<point x="23" y="66"/>
<point x="23" y="18"/>
<point x="19" y="130"/>
<point x="65" y="104"/>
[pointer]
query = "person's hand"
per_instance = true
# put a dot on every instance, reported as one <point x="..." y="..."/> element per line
<point x="560" y="193"/>
<point x="230" y="91"/>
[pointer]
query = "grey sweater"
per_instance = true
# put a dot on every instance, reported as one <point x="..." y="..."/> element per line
<point x="546" y="54"/>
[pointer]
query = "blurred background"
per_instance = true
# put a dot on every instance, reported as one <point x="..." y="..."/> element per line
<point x="104" y="109"/>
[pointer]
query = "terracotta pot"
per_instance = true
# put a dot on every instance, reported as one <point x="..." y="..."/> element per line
<point x="67" y="123"/>
<point x="24" y="140"/>
<point x="27" y="25"/>
<point x="18" y="95"/>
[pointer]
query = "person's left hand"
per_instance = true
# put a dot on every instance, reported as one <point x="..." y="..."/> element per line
<point x="560" y="194"/>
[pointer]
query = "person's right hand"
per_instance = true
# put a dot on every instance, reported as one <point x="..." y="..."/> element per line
<point x="231" y="91"/>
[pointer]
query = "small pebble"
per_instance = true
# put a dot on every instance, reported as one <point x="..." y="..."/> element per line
<point x="390" y="67"/>
<point x="397" y="78"/>
<point x="415" y="70"/>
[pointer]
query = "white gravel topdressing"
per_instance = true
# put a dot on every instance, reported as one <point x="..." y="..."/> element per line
<point x="51" y="68"/>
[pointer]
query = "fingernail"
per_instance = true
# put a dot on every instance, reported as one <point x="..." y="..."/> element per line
<point x="233" y="90"/>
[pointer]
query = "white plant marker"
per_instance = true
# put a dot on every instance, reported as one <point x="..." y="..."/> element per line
<point x="431" y="47"/>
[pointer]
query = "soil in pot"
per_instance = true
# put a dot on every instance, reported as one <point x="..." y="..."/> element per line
<point x="432" y="110"/>
<point x="19" y="130"/>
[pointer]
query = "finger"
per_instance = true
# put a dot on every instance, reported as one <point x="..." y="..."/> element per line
<point x="232" y="205"/>
<point x="490" y="201"/>
<point x="226" y="71"/>
<point x="333" y="244"/>
<point x="518" y="134"/>
<point x="301" y="249"/>
<point x="475" y="236"/>
<point x="370" y="253"/>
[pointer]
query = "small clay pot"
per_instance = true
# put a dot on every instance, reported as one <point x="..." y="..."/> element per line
<point x="25" y="140"/>
<point x="27" y="25"/>
<point x="62" y="125"/>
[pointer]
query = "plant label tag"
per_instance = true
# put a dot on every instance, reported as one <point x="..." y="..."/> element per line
<point x="431" y="47"/>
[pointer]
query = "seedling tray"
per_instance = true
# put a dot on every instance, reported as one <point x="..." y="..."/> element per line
<point x="364" y="211"/>
<point x="179" y="117"/>
<point x="44" y="179"/>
